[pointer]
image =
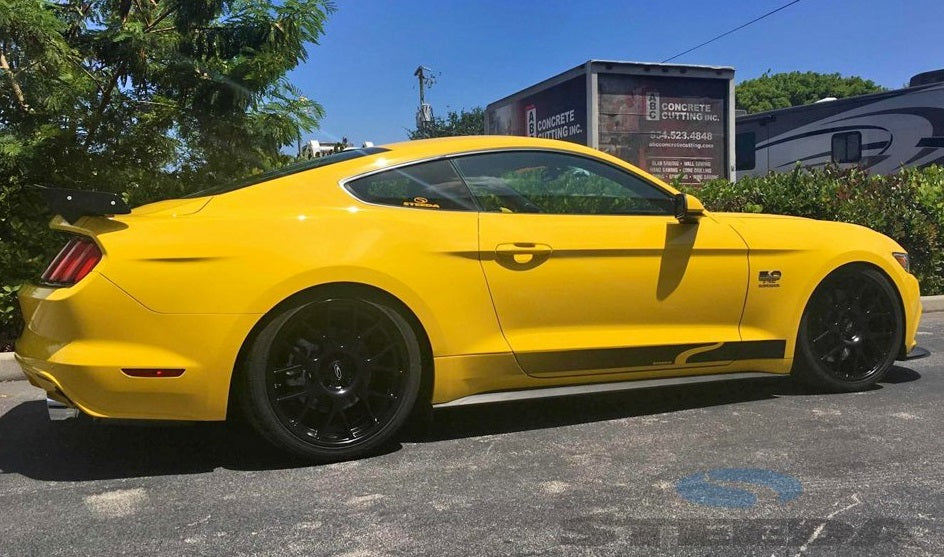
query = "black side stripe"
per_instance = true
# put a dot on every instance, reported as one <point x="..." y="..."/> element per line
<point x="746" y="350"/>
<point x="643" y="356"/>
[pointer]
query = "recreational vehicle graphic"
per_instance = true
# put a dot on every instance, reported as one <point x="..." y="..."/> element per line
<point x="881" y="132"/>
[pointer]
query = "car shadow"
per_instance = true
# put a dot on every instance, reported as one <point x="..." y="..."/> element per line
<point x="509" y="417"/>
<point x="86" y="449"/>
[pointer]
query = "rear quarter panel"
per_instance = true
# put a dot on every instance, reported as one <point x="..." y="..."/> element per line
<point x="250" y="249"/>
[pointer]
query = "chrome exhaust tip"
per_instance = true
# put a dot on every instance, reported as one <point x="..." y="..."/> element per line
<point x="59" y="411"/>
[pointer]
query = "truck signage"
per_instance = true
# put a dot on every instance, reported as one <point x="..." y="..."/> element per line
<point x="558" y="112"/>
<point x="672" y="120"/>
<point x="673" y="128"/>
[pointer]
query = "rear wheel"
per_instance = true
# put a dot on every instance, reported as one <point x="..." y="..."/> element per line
<point x="332" y="378"/>
<point x="850" y="333"/>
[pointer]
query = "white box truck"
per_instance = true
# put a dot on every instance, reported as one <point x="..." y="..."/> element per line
<point x="674" y="121"/>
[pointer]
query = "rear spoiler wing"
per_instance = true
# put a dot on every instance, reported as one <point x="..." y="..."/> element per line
<point x="75" y="204"/>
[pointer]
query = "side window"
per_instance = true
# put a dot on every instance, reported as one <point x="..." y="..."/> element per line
<point x="430" y="185"/>
<point x="745" y="145"/>
<point x="847" y="147"/>
<point x="558" y="183"/>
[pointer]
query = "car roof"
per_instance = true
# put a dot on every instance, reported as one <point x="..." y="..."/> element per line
<point x="446" y="145"/>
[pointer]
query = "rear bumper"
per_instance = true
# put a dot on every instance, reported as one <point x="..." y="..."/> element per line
<point x="78" y="340"/>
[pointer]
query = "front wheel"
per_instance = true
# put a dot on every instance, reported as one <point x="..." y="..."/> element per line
<point x="850" y="333"/>
<point x="332" y="378"/>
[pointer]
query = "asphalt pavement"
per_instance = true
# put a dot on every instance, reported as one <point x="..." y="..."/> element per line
<point x="749" y="467"/>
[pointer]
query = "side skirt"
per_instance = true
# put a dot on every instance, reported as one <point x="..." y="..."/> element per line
<point x="524" y="394"/>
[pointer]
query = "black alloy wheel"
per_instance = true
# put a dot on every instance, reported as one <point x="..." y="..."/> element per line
<point x="851" y="331"/>
<point x="332" y="378"/>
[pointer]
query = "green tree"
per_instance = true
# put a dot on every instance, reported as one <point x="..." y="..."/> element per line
<point x="464" y="122"/>
<point x="149" y="98"/>
<point x="782" y="90"/>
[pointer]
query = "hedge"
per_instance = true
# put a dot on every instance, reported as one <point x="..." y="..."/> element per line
<point x="26" y="246"/>
<point x="907" y="206"/>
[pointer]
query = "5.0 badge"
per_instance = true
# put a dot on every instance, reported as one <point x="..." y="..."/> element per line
<point x="769" y="279"/>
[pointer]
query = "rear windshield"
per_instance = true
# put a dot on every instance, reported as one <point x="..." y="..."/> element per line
<point x="293" y="168"/>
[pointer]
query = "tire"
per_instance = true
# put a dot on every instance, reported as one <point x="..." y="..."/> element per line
<point x="851" y="331"/>
<point x="331" y="378"/>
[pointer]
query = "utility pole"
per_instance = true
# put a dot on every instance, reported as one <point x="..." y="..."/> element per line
<point x="425" y="113"/>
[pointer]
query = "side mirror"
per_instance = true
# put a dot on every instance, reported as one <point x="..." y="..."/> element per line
<point x="688" y="208"/>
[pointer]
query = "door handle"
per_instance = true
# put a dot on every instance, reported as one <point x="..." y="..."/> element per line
<point x="523" y="248"/>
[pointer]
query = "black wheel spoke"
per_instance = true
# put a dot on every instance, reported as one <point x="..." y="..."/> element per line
<point x="329" y="417"/>
<point x="386" y="350"/>
<point x="300" y="394"/>
<point x="289" y="370"/>
<point x="370" y="411"/>
<point x="384" y="369"/>
<point x="859" y="357"/>
<point x="347" y="424"/>
<point x="832" y="352"/>
<point x="822" y="335"/>
<point x="369" y="331"/>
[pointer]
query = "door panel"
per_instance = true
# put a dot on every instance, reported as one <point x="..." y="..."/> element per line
<point x="590" y="293"/>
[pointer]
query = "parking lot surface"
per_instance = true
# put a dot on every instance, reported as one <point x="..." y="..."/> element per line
<point x="742" y="467"/>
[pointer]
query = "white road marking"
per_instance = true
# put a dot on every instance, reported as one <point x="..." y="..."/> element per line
<point x="364" y="500"/>
<point x="201" y="521"/>
<point x="905" y="416"/>
<point x="822" y="526"/>
<point x="555" y="487"/>
<point x="116" y="504"/>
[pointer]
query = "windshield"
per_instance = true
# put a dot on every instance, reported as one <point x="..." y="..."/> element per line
<point x="287" y="170"/>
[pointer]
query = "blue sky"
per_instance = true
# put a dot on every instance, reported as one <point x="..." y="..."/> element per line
<point x="480" y="51"/>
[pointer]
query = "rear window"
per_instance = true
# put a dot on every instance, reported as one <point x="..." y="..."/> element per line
<point x="288" y="170"/>
<point x="428" y="185"/>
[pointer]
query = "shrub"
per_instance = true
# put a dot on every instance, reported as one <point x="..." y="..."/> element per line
<point x="26" y="244"/>
<point x="907" y="206"/>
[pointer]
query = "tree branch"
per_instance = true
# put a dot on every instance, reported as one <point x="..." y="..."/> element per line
<point x="106" y="98"/>
<point x="27" y="67"/>
<point x="162" y="17"/>
<point x="17" y="91"/>
<point x="82" y="10"/>
<point x="144" y="13"/>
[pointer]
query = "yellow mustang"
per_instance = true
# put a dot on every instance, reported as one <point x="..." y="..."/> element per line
<point x="330" y="299"/>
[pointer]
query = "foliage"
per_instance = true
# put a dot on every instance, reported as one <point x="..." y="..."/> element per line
<point x="782" y="90"/>
<point x="907" y="206"/>
<point x="464" y="122"/>
<point x="150" y="98"/>
<point x="571" y="191"/>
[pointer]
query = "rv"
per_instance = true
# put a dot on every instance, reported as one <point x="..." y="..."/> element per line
<point x="880" y="132"/>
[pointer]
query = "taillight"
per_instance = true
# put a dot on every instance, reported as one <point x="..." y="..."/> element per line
<point x="74" y="261"/>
